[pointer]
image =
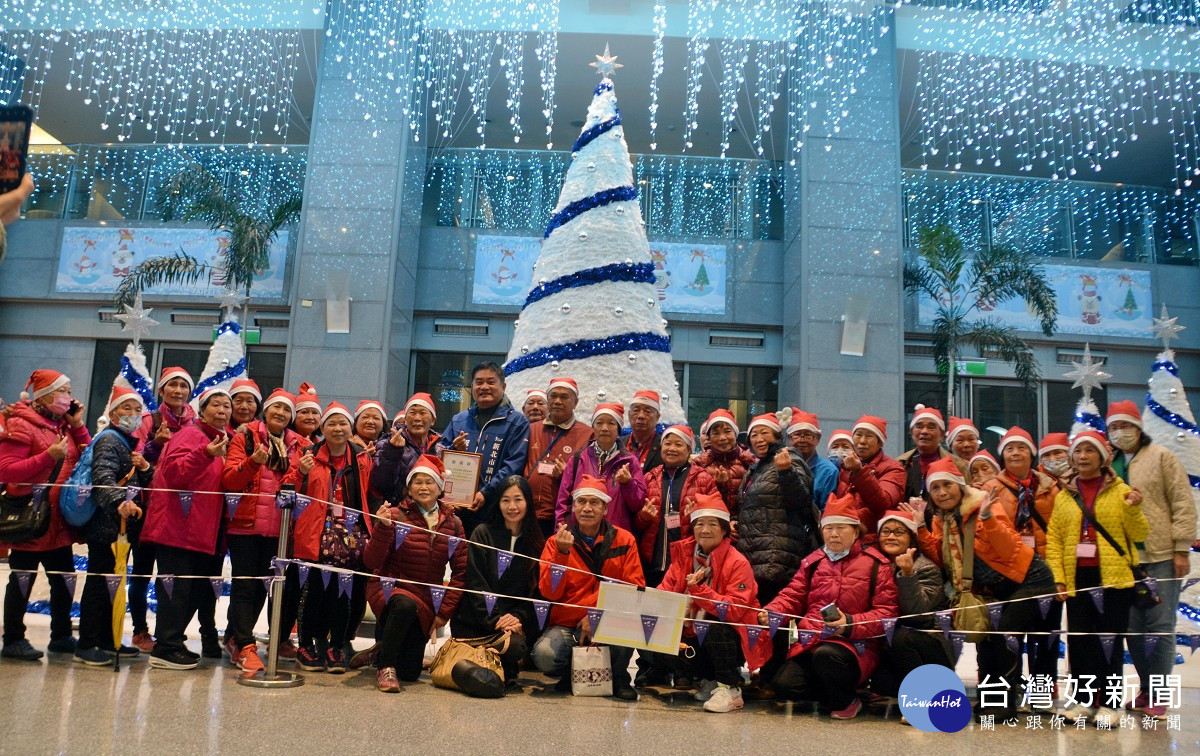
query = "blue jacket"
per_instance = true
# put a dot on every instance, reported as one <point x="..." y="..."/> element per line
<point x="503" y="442"/>
<point x="825" y="479"/>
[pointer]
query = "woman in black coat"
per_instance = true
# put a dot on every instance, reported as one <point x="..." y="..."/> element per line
<point x="514" y="528"/>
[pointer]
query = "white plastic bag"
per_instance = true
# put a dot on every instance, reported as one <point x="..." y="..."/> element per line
<point x="591" y="671"/>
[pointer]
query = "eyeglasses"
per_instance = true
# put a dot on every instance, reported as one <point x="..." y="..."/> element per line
<point x="893" y="531"/>
<point x="806" y="436"/>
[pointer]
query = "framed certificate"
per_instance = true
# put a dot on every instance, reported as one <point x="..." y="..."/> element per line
<point x="462" y="477"/>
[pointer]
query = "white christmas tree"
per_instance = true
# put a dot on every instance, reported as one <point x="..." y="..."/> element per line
<point x="1087" y="375"/>
<point x="134" y="373"/>
<point x="593" y="313"/>
<point x="1168" y="419"/>
<point x="227" y="356"/>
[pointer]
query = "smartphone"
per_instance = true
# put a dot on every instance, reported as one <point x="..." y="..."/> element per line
<point x="830" y="612"/>
<point x="74" y="407"/>
<point x="15" y="123"/>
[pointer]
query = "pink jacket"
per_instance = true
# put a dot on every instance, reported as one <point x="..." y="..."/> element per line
<point x="256" y="513"/>
<point x="24" y="461"/>
<point x="185" y="465"/>
<point x="626" y="499"/>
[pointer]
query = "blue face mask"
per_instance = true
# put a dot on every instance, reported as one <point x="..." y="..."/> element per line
<point x="835" y="555"/>
<point x="129" y="423"/>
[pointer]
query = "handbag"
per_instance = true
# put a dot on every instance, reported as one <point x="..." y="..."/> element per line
<point x="26" y="518"/>
<point x="970" y="612"/>
<point x="339" y="546"/>
<point x="484" y="651"/>
<point x="591" y="671"/>
<point x="1145" y="597"/>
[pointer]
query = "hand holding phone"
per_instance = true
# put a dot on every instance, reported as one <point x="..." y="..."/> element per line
<point x="830" y="612"/>
<point x="15" y="123"/>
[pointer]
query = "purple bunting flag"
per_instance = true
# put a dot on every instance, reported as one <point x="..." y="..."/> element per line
<point x="860" y="646"/>
<point x="325" y="575"/>
<point x="1098" y="598"/>
<point x="299" y="503"/>
<point x="774" y="620"/>
<point x="217" y="585"/>
<point x="1149" y="644"/>
<point x="594" y="616"/>
<point x="752" y="637"/>
<point x="542" y="610"/>
<point x="69" y="579"/>
<point x="351" y="519"/>
<point x="648" y="623"/>
<point x="132" y="492"/>
<point x="345" y="584"/>
<point x="388" y="585"/>
<point x="1108" y="642"/>
<point x="826" y="632"/>
<point x="185" y="502"/>
<point x="722" y="610"/>
<point x="24" y="580"/>
<point x="944" y="621"/>
<point x="113" y="582"/>
<point x="1194" y="642"/>
<point x="168" y="584"/>
<point x="39" y="493"/>
<point x="889" y="628"/>
<point x="489" y="601"/>
<point x="806" y="637"/>
<point x="1044" y="603"/>
<point x="84" y="492"/>
<point x="1013" y="642"/>
<point x="402" y="531"/>
<point x="994" y="611"/>
<point x="302" y="570"/>
<point x="232" y="500"/>
<point x="1190" y="582"/>
<point x="1053" y="643"/>
<point x="701" y="628"/>
<point x="556" y="573"/>
<point x="956" y="642"/>
<point x="451" y="545"/>
<point x="503" y="559"/>
<point x="437" y="594"/>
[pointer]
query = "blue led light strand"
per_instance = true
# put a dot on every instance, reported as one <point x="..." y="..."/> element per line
<point x="631" y="272"/>
<point x="581" y="206"/>
<point x="578" y="350"/>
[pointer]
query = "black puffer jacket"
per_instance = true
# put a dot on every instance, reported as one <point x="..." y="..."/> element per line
<point x="777" y="523"/>
<point x="520" y="579"/>
<point x="112" y="460"/>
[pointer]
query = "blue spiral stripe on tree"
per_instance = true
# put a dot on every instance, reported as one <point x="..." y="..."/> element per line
<point x="1167" y="365"/>
<point x="579" y="350"/>
<point x="229" y="373"/>
<point x="1095" y="422"/>
<point x="581" y="206"/>
<point x="1179" y="421"/>
<point x="586" y="137"/>
<point x="631" y="272"/>
<point x="139" y="383"/>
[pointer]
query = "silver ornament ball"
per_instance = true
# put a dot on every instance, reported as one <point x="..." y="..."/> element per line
<point x="649" y="302"/>
<point x="620" y="210"/>
<point x="601" y="394"/>
<point x="224" y="362"/>
<point x="1180" y="436"/>
<point x="583" y="235"/>
<point x="591" y="166"/>
<point x="524" y="349"/>
<point x="566" y="307"/>
<point x="629" y="261"/>
<point x="618" y="311"/>
<point x="554" y="364"/>
<point x="1173" y="391"/>
<point x="632" y="358"/>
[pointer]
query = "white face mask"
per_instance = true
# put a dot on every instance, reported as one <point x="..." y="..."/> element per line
<point x="1057" y="467"/>
<point x="837" y="455"/>
<point x="129" y="423"/>
<point x="1124" y="439"/>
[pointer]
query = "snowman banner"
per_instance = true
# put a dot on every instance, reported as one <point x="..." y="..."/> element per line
<point x="1091" y="302"/>
<point x="94" y="259"/>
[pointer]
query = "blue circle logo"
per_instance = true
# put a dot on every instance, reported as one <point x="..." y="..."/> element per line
<point x="933" y="699"/>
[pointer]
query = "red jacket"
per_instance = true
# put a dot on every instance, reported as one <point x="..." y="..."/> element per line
<point x="877" y="487"/>
<point x="735" y="464"/>
<point x="545" y="487"/>
<point x="846" y="583"/>
<point x="185" y="465"/>
<point x="356" y="495"/>
<point x="256" y="514"/>
<point x="24" y="461"/>
<point x="698" y="481"/>
<point x="615" y="556"/>
<point x="732" y="582"/>
<point x="422" y="557"/>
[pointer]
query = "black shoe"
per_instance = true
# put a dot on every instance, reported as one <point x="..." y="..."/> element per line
<point x="624" y="692"/>
<point x="652" y="678"/>
<point x="127" y="652"/>
<point x="172" y="660"/>
<point x="190" y="654"/>
<point x="477" y="681"/>
<point x="63" y="645"/>
<point x="210" y="645"/>
<point x="21" y="650"/>
<point x="564" y="684"/>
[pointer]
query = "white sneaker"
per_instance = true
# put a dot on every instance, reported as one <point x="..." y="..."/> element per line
<point x="1076" y="713"/>
<point x="705" y="690"/>
<point x="1110" y="716"/>
<point x="723" y="699"/>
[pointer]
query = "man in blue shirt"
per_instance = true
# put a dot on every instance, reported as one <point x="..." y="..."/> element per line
<point x="804" y="433"/>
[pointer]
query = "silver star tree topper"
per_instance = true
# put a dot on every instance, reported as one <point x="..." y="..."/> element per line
<point x="606" y="65"/>
<point x="231" y="301"/>
<point x="1087" y="373"/>
<point x="1166" y="329"/>
<point x="136" y="320"/>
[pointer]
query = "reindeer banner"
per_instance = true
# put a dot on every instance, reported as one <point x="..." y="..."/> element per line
<point x="1091" y="301"/>
<point x="688" y="277"/>
<point x="93" y="259"/>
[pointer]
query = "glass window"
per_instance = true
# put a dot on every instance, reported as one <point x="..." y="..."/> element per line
<point x="999" y="407"/>
<point x="1060" y="405"/>
<point x="444" y="376"/>
<point x="745" y="391"/>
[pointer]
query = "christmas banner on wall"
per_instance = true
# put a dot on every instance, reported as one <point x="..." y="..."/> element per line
<point x="94" y="259"/>
<point x="687" y="277"/>
<point x="1091" y="301"/>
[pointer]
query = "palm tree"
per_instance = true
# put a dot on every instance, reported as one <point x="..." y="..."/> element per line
<point x="195" y="194"/>
<point x="958" y="284"/>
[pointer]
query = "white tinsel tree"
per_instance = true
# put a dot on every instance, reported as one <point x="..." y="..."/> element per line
<point x="227" y="356"/>
<point x="1087" y="375"/>
<point x="593" y="314"/>
<point x="1168" y="419"/>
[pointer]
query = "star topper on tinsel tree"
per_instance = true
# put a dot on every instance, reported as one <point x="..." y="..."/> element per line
<point x="136" y="320"/>
<point x="606" y="65"/>
<point x="230" y="302"/>
<point x="1087" y="373"/>
<point x="1166" y="329"/>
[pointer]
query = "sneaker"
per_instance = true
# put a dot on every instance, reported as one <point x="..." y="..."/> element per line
<point x="93" y="657"/>
<point x="365" y="658"/>
<point x="190" y="654"/>
<point x="624" y="692"/>
<point x="63" y="645"/>
<point x="234" y="651"/>
<point x="386" y="680"/>
<point x="287" y="649"/>
<point x="1142" y="704"/>
<point x="210" y="646"/>
<point x="1076" y="713"/>
<point x="850" y="712"/>
<point x="335" y="661"/>
<point x="172" y="660"/>
<point x="21" y="650"/>
<point x="1110" y="717"/>
<point x="128" y="652"/>
<point x="248" y="659"/>
<point x="309" y="660"/>
<point x="724" y="699"/>
<point x="705" y="690"/>
<point x="144" y="641"/>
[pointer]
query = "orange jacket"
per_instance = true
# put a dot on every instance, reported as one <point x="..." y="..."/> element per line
<point x="1045" y="489"/>
<point x="614" y="555"/>
<point x="996" y="541"/>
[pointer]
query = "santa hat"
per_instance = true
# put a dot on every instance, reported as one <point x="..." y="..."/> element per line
<point x="1054" y="442"/>
<point x="876" y="425"/>
<point x="367" y="404"/>
<point x="683" y="432"/>
<point x="279" y="396"/>
<point x="1095" y="438"/>
<point x="921" y="412"/>
<point x="768" y="420"/>
<point x="719" y="416"/>
<point x="246" y="386"/>
<point x="306" y="398"/>
<point x="535" y="392"/>
<point x="986" y="456"/>
<point x="841" y="511"/>
<point x="958" y="425"/>
<point x="175" y="372"/>
<point x="709" y="505"/>
<point x="588" y="485"/>
<point x="335" y="408"/>
<point x="841" y="434"/>
<point x="649" y="398"/>
<point x="945" y="469"/>
<point x="120" y="395"/>
<point x="615" y="410"/>
<point x="431" y="466"/>
<point x="421" y="400"/>
<point x="567" y="383"/>
<point x="1017" y="435"/>
<point x="802" y="421"/>
<point x="209" y="393"/>
<point x="907" y="519"/>
<point x="43" y="382"/>
<point x="1124" y="411"/>
<point x="399" y="416"/>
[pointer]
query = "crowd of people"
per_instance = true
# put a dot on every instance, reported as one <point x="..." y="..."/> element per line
<point x="870" y="557"/>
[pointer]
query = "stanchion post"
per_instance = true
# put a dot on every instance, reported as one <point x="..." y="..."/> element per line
<point x="270" y="677"/>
